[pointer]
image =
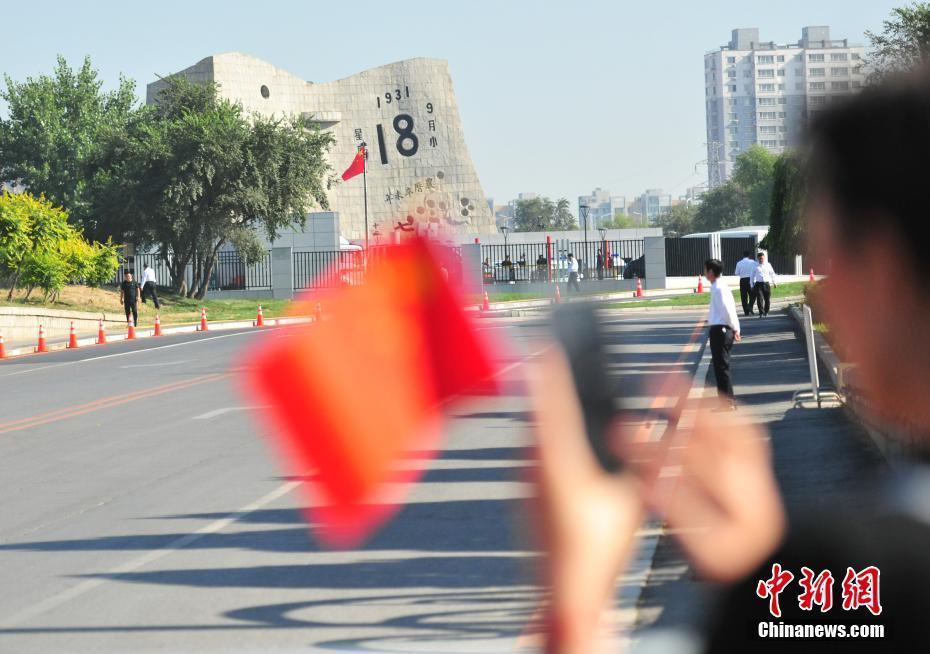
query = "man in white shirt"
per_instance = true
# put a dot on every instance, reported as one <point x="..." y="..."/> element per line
<point x="148" y="286"/>
<point x="573" y="273"/>
<point x="763" y="279"/>
<point x="745" y="267"/>
<point x="724" y="330"/>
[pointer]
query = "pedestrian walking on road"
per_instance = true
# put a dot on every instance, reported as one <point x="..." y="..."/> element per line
<point x="745" y="267"/>
<point x="129" y="295"/>
<point x="149" y="286"/>
<point x="573" y="273"/>
<point x="763" y="280"/>
<point x="724" y="330"/>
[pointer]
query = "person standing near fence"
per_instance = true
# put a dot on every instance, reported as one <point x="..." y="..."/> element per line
<point x="149" y="286"/>
<point x="724" y="330"/>
<point x="129" y="294"/>
<point x="573" y="273"/>
<point x="745" y="268"/>
<point x="763" y="279"/>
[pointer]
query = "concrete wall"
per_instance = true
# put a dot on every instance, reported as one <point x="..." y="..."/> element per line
<point x="23" y="323"/>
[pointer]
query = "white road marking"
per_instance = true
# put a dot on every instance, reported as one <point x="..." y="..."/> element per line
<point x="154" y="365"/>
<point x="64" y="596"/>
<point x="122" y="354"/>
<point x="219" y="412"/>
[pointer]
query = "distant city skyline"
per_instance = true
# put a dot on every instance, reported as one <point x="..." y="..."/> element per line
<point x="554" y="99"/>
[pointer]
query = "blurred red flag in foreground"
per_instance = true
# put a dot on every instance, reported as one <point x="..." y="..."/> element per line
<point x="351" y="396"/>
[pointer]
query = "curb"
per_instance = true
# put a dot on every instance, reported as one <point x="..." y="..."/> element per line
<point x="537" y="311"/>
<point x="149" y="332"/>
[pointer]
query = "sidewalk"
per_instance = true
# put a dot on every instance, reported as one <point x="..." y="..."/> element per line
<point x="820" y="458"/>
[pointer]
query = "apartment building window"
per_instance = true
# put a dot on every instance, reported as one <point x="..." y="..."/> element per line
<point x="781" y="87"/>
<point x="815" y="58"/>
<point x="857" y="84"/>
<point x="841" y="56"/>
<point x="766" y="102"/>
<point x="731" y="74"/>
<point x="734" y="116"/>
<point x="781" y="59"/>
<point x="782" y="100"/>
<point x="783" y="143"/>
<point x="781" y="72"/>
<point x="839" y="72"/>
<point x="767" y="115"/>
<point x="783" y="128"/>
<point x="765" y="59"/>
<point x="818" y="100"/>
<point x="770" y="143"/>
<point x="765" y="73"/>
<point x="732" y="88"/>
<point x="766" y="88"/>
<point x="733" y="102"/>
<point x="855" y="56"/>
<point x="818" y="86"/>
<point x="768" y="129"/>
<point x="731" y="60"/>
<point x="817" y="72"/>
<point x="857" y="70"/>
<point x="839" y="86"/>
<point x="782" y="114"/>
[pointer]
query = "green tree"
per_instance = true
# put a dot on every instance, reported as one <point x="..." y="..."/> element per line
<point x="562" y="218"/>
<point x="678" y="220"/>
<point x="620" y="221"/>
<point x="754" y="173"/>
<point x="904" y="42"/>
<point x="723" y="207"/>
<point x="192" y="172"/>
<point x="40" y="248"/>
<point x="786" y="225"/>
<point x="54" y="125"/>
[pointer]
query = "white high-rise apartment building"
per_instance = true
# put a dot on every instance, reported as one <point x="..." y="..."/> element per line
<point x="762" y="92"/>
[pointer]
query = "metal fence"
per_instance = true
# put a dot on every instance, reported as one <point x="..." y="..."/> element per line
<point x="230" y="273"/>
<point x="328" y="269"/>
<point x="519" y="262"/>
<point x="731" y="251"/>
<point x="135" y="264"/>
<point x="685" y="257"/>
<point x="782" y="264"/>
<point x="617" y="259"/>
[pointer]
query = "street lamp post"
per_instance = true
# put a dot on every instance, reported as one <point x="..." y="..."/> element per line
<point x="504" y="230"/>
<point x="604" y="253"/>
<point x="584" y="219"/>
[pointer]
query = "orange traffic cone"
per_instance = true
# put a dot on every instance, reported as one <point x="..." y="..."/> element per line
<point x="41" y="346"/>
<point x="203" y="319"/>
<point x="812" y="279"/>
<point x="101" y="334"/>
<point x="157" y="326"/>
<point x="639" y="287"/>
<point x="319" y="312"/>
<point x="558" y="295"/>
<point x="700" y="286"/>
<point x="485" y="305"/>
<point x="72" y="338"/>
<point x="131" y="332"/>
<point x="259" y="319"/>
<point x="2" y="347"/>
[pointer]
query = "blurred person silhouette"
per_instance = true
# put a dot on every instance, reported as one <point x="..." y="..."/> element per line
<point x="716" y="491"/>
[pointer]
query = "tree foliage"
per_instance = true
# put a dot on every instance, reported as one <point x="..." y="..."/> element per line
<point x="542" y="215"/>
<point x="787" y="226"/>
<point x="191" y="173"/>
<point x="754" y="173"/>
<point x="678" y="220"/>
<point x="54" y="127"/>
<point x="620" y="221"/>
<point x="903" y="43"/>
<point x="723" y="207"/>
<point x="40" y="248"/>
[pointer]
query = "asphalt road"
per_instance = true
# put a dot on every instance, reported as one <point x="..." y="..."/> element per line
<point x="140" y="510"/>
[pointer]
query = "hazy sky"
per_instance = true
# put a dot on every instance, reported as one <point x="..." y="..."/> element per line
<point x="555" y="97"/>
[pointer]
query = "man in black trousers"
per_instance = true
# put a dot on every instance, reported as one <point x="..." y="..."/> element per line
<point x="724" y="331"/>
<point x="744" y="270"/>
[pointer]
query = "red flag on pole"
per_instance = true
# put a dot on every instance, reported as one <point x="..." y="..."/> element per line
<point x="357" y="167"/>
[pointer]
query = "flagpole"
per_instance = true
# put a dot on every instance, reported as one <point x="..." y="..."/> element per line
<point x="365" y="186"/>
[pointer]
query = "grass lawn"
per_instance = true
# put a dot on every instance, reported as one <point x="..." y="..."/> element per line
<point x="788" y="289"/>
<point x="174" y="308"/>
